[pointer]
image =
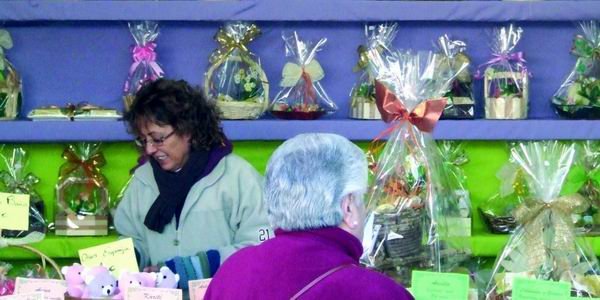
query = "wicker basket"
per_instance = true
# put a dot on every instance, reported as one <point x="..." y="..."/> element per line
<point x="506" y="107"/>
<point x="45" y="260"/>
<point x="239" y="110"/>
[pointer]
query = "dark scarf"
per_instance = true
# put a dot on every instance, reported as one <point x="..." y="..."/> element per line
<point x="174" y="187"/>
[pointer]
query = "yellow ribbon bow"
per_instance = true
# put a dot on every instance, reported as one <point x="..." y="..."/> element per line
<point x="548" y="226"/>
<point x="228" y="42"/>
<point x="292" y="73"/>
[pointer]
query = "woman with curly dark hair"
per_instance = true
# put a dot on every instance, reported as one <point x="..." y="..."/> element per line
<point x="193" y="203"/>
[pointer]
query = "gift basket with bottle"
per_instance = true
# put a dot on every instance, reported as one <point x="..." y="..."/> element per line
<point x="506" y="79"/>
<point x="362" y="96"/>
<point x="235" y="79"/>
<point x="16" y="179"/>
<point x="458" y="200"/>
<point x="407" y="228"/>
<point x="10" y="82"/>
<point x="544" y="246"/>
<point x="579" y="95"/>
<point x="144" y="67"/>
<point x="460" y="103"/>
<point x="302" y="97"/>
<point x="82" y="192"/>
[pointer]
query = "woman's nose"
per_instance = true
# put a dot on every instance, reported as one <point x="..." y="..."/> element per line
<point x="150" y="148"/>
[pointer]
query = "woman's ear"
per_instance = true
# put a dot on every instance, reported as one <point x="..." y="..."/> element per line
<point x="350" y="211"/>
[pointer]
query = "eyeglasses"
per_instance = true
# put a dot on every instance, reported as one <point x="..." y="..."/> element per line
<point x="156" y="142"/>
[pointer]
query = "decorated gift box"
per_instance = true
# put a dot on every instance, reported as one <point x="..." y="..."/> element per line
<point x="506" y="79"/>
<point x="362" y="96"/>
<point x="302" y="97"/>
<point x="144" y="67"/>
<point x="82" y="192"/>
<point x="544" y="246"/>
<point x="16" y="179"/>
<point x="10" y="82"/>
<point x="235" y="79"/>
<point x="579" y="95"/>
<point x="407" y="201"/>
<point x="74" y="112"/>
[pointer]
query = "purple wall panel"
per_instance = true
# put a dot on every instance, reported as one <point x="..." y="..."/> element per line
<point x="88" y="61"/>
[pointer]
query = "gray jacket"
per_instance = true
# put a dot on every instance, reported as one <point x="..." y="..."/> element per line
<point x="223" y="211"/>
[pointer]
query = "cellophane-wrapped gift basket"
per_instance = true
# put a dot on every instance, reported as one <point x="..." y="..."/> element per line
<point x="458" y="200"/>
<point x="302" y="97"/>
<point x="544" y="246"/>
<point x="407" y="228"/>
<point x="579" y="95"/>
<point x="460" y="103"/>
<point x="235" y="79"/>
<point x="144" y="68"/>
<point x="82" y="192"/>
<point x="584" y="177"/>
<point x="10" y="82"/>
<point x="362" y="96"/>
<point x="497" y="210"/>
<point x="16" y="179"/>
<point x="506" y="79"/>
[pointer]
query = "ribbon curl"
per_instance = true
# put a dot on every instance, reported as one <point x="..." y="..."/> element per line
<point x="539" y="219"/>
<point x="145" y="54"/>
<point x="229" y="42"/>
<point x="424" y="116"/>
<point x="514" y="57"/>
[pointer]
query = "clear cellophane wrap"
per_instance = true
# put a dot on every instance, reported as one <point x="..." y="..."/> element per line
<point x="544" y="246"/>
<point x="579" y="95"/>
<point x="10" y="82"/>
<point x="144" y="68"/>
<point x="407" y="228"/>
<point x="302" y="96"/>
<point x="362" y="95"/>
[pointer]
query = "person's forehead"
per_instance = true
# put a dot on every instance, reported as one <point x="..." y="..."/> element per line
<point x="148" y="126"/>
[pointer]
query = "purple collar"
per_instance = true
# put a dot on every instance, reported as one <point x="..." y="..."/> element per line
<point x="334" y="235"/>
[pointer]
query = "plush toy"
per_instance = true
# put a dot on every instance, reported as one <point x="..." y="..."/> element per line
<point x="99" y="283"/>
<point x="166" y="278"/>
<point x="74" y="278"/>
<point x="127" y="280"/>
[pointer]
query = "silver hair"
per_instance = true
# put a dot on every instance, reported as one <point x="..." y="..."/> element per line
<point x="308" y="176"/>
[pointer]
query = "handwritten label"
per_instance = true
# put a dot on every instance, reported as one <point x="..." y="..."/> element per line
<point x="439" y="286"/>
<point x="28" y="296"/>
<point x="52" y="289"/>
<point x="533" y="289"/>
<point x="116" y="256"/>
<point x="198" y="288"/>
<point x="14" y="211"/>
<point x="145" y="293"/>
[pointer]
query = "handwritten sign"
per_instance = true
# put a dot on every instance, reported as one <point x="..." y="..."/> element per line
<point x="533" y="289"/>
<point x="52" y="289"/>
<point x="198" y="288"/>
<point x="439" y="286"/>
<point x="116" y="256"/>
<point x="28" y="296"/>
<point x="136" y="293"/>
<point x="14" y="211"/>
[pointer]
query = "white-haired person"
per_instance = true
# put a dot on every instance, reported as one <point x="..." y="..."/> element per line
<point x="314" y="189"/>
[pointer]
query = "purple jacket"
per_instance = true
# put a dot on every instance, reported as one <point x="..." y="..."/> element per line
<point x="280" y="267"/>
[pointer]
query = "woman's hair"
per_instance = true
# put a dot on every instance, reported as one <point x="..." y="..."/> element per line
<point x="176" y="103"/>
<point x="308" y="176"/>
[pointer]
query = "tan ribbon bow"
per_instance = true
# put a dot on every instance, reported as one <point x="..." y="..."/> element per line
<point x="228" y="43"/>
<point x="540" y="219"/>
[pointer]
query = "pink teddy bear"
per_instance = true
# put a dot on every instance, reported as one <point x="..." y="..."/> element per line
<point x="73" y="276"/>
<point x="128" y="279"/>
